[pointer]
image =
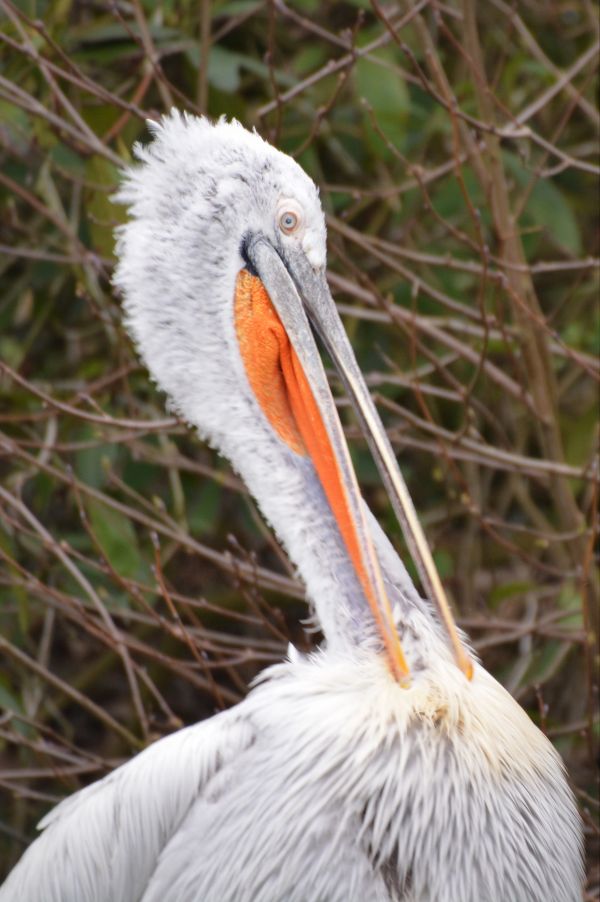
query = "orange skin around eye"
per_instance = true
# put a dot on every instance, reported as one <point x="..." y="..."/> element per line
<point x="281" y="388"/>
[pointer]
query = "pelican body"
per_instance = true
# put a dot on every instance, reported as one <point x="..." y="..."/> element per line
<point x="387" y="765"/>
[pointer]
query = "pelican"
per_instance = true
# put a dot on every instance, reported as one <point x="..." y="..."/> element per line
<point x="388" y="764"/>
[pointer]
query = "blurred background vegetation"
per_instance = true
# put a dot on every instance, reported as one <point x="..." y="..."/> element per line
<point x="456" y="147"/>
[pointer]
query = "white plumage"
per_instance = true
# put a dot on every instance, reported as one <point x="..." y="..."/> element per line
<point x="331" y="781"/>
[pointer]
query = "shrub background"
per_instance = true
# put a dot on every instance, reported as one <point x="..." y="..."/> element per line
<point x="456" y="147"/>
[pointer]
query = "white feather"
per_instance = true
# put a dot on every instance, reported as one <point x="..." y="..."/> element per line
<point x="330" y="782"/>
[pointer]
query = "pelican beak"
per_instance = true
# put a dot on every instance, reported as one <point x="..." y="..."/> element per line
<point x="299" y="292"/>
<point x="323" y="314"/>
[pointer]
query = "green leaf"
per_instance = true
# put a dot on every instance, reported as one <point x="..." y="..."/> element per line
<point x="571" y="602"/>
<point x="91" y="464"/>
<point x="386" y="93"/>
<point x="514" y="589"/>
<point x="444" y="563"/>
<point x="546" y="662"/>
<point x="448" y="198"/>
<point x="224" y="69"/>
<point x="579" y="435"/>
<point x="8" y="701"/>
<point x="547" y="207"/>
<point x="240" y="7"/>
<point x="117" y="538"/>
<point x="203" y="507"/>
<point x="102" y="213"/>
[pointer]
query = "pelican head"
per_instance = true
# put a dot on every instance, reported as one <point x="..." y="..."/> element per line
<point x="222" y="266"/>
<point x="222" y="270"/>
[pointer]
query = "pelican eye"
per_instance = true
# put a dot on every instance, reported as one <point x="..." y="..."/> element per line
<point x="289" y="222"/>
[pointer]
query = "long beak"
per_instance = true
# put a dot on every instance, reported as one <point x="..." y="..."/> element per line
<point x="318" y="303"/>
<point x="322" y="435"/>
